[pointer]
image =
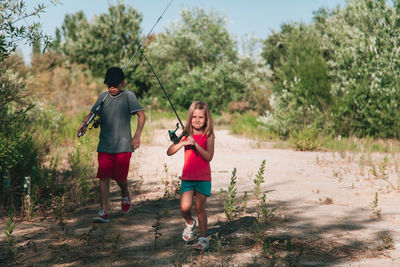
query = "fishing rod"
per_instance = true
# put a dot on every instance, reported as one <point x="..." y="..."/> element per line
<point x="172" y="133"/>
<point x="147" y="36"/>
<point x="96" y="122"/>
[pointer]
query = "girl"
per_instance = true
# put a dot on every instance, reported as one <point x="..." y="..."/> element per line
<point x="196" y="174"/>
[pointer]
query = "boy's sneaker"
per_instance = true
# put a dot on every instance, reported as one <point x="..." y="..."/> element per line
<point x="126" y="204"/>
<point x="101" y="217"/>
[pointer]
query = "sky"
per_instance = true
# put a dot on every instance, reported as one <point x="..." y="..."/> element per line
<point x="256" y="18"/>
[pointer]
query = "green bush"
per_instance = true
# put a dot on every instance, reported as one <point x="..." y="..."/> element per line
<point x="306" y="139"/>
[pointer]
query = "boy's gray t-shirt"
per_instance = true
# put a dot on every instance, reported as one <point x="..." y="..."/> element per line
<point x="115" y="128"/>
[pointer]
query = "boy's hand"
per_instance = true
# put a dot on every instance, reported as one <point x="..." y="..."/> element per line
<point x="135" y="143"/>
<point x="81" y="130"/>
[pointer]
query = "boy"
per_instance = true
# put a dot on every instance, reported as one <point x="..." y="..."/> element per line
<point x="115" y="141"/>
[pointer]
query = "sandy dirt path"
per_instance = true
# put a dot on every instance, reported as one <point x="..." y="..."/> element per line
<point x="322" y="194"/>
<point x="322" y="199"/>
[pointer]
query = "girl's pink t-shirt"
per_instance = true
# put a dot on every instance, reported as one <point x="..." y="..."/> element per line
<point x="196" y="168"/>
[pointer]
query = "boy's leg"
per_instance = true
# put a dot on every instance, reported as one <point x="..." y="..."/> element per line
<point x="120" y="171"/>
<point x="186" y="206"/>
<point x="104" y="193"/>
<point x="200" y="205"/>
<point x="124" y="188"/>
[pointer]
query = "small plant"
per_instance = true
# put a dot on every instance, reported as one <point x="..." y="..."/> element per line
<point x="326" y="201"/>
<point x="172" y="185"/>
<point x="244" y="201"/>
<point x="373" y="171"/>
<point x="374" y="206"/>
<point x="383" y="167"/>
<point x="230" y="202"/>
<point x="156" y="228"/>
<point x="59" y="210"/>
<point x="259" y="179"/>
<point x="264" y="211"/>
<point x="9" y="234"/>
<point x="387" y="240"/>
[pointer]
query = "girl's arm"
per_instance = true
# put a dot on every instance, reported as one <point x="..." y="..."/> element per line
<point x="173" y="148"/>
<point x="209" y="153"/>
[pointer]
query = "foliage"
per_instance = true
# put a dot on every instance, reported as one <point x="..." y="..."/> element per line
<point x="107" y="40"/>
<point x="363" y="40"/>
<point x="249" y="125"/>
<point x="302" y="86"/>
<point x="338" y="72"/>
<point x="14" y="32"/>
<point x="259" y="179"/>
<point x="264" y="212"/>
<point x="306" y="139"/>
<point x="196" y="58"/>
<point x="12" y="250"/>
<point x="230" y="202"/>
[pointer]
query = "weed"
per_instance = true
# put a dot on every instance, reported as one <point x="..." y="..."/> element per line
<point x="387" y="240"/>
<point x="326" y="201"/>
<point x="12" y="250"/>
<point x="58" y="206"/>
<point x="264" y="211"/>
<point x="373" y="171"/>
<point x="172" y="185"/>
<point x="244" y="201"/>
<point x="230" y="202"/>
<point x="156" y="228"/>
<point x="259" y="179"/>
<point x="383" y="167"/>
<point x="374" y="206"/>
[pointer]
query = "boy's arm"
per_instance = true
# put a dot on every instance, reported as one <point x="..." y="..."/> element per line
<point x="135" y="143"/>
<point x="82" y="127"/>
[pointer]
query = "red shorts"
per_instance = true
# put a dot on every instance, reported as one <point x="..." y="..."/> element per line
<point x="114" y="166"/>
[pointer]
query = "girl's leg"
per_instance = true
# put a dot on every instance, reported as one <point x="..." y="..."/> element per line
<point x="104" y="192"/>
<point x="186" y="206"/>
<point x="201" y="213"/>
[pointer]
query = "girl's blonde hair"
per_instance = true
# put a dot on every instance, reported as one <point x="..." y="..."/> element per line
<point x="208" y="126"/>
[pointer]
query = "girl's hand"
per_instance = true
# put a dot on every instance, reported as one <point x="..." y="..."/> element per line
<point x="189" y="141"/>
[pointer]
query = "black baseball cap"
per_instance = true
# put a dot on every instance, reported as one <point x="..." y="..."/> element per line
<point x="114" y="75"/>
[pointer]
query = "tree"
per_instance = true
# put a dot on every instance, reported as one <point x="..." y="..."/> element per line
<point x="301" y="82"/>
<point x="363" y="39"/>
<point x="13" y="31"/>
<point x="105" y="41"/>
<point x="197" y="59"/>
<point x="18" y="155"/>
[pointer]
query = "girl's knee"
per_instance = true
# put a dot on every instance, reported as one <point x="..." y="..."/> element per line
<point x="186" y="208"/>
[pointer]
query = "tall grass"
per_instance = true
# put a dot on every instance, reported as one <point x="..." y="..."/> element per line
<point x="309" y="139"/>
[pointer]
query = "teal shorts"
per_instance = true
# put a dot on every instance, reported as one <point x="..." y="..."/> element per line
<point x="203" y="187"/>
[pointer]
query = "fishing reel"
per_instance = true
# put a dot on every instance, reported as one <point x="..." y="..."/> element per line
<point x="172" y="135"/>
<point x="96" y="123"/>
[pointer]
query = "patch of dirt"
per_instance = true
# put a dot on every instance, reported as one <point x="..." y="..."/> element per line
<point x="324" y="214"/>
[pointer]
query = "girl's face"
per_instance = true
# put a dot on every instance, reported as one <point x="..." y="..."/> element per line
<point x="198" y="119"/>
